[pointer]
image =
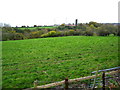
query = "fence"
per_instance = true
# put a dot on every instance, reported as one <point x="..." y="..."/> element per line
<point x="92" y="78"/>
<point x="105" y="78"/>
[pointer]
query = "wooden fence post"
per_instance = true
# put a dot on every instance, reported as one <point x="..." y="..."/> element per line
<point x="35" y="83"/>
<point x="66" y="83"/>
<point x="103" y="80"/>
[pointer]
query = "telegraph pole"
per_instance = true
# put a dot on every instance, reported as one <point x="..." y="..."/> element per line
<point x="76" y="22"/>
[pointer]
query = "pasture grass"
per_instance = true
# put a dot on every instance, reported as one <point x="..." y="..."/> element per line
<point x="34" y="28"/>
<point x="53" y="59"/>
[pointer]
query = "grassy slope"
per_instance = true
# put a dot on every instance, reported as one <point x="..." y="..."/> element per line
<point x="53" y="59"/>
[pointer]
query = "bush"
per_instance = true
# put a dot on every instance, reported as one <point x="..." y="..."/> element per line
<point x="18" y="36"/>
<point x="51" y="34"/>
<point x="44" y="35"/>
<point x="65" y="33"/>
<point x="71" y="32"/>
<point x="89" y="31"/>
<point x="12" y="36"/>
<point x="111" y="34"/>
<point x="95" y="34"/>
<point x="35" y="34"/>
<point x="5" y="36"/>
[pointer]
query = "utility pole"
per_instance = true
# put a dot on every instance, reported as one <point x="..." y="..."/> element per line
<point x="76" y="22"/>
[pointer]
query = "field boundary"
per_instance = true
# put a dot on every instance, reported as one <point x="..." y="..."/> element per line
<point x="72" y="80"/>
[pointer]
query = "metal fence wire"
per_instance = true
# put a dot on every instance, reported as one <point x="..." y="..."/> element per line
<point x="106" y="80"/>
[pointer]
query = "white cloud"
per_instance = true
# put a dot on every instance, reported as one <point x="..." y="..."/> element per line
<point x="30" y="12"/>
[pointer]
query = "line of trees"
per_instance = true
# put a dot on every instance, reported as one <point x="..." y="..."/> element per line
<point x="87" y="29"/>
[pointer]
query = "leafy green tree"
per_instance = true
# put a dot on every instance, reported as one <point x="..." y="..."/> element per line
<point x="95" y="24"/>
<point x="62" y="24"/>
<point x="89" y="32"/>
<point x="102" y="31"/>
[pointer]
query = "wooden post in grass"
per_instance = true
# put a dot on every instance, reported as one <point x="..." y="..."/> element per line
<point x="103" y="80"/>
<point x="66" y="83"/>
<point x="35" y="83"/>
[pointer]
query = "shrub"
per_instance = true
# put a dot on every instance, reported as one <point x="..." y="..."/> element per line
<point x="58" y="33"/>
<point x="64" y="33"/>
<point x="35" y="34"/>
<point x="12" y="36"/>
<point x="5" y="36"/>
<point x="45" y="35"/>
<point x="7" y="29"/>
<point x="71" y="32"/>
<point x="95" y="34"/>
<point x="18" y="36"/>
<point x="52" y="33"/>
<point x="111" y="34"/>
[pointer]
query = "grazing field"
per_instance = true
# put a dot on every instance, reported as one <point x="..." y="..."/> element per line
<point x="52" y="59"/>
<point x="43" y="27"/>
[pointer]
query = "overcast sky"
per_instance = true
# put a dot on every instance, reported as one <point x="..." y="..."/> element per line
<point x="49" y="12"/>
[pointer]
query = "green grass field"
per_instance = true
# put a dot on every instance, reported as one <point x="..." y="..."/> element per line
<point x="33" y="28"/>
<point x="53" y="59"/>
